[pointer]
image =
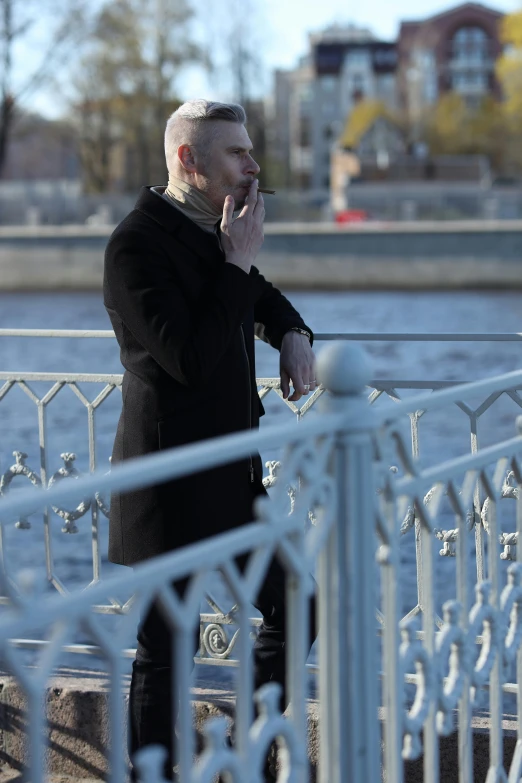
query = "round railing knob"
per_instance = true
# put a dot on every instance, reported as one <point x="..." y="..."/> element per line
<point x="343" y="368"/>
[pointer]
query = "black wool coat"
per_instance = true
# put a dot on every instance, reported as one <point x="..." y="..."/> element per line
<point x="185" y="323"/>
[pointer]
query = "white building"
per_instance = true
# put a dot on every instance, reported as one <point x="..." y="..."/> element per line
<point x="344" y="65"/>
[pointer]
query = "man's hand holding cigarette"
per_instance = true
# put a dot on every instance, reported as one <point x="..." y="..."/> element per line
<point x="242" y="238"/>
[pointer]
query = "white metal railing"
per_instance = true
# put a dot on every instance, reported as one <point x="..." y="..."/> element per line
<point x="87" y="516"/>
<point x="451" y="670"/>
<point x="316" y="461"/>
<point x="485" y="337"/>
<point x="335" y="461"/>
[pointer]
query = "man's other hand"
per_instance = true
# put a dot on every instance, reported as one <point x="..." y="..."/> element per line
<point x="297" y="365"/>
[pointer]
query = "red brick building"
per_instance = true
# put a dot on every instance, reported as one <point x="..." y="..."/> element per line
<point x="454" y="50"/>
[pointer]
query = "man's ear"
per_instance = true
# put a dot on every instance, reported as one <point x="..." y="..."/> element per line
<point x="186" y="158"/>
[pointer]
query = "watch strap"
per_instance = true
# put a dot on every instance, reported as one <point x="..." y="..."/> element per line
<point x="302" y="331"/>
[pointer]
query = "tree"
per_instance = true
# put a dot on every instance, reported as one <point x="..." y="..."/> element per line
<point x="126" y="89"/>
<point x="454" y="128"/>
<point x="445" y="125"/>
<point x="237" y="31"/>
<point x="509" y="73"/>
<point x="64" y="20"/>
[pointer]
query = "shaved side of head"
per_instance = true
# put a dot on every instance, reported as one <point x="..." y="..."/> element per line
<point x="197" y="123"/>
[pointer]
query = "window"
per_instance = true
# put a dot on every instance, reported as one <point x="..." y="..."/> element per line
<point x="304" y="132"/>
<point x="329" y="109"/>
<point x="477" y="81"/>
<point x="385" y="58"/>
<point x="328" y="84"/>
<point x="305" y="93"/>
<point x="328" y="132"/>
<point x="471" y="45"/>
<point x="358" y="57"/>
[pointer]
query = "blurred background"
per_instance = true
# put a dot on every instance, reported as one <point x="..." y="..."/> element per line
<point x="396" y="112"/>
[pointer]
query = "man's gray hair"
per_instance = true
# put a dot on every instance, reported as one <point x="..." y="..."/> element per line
<point x="192" y="123"/>
<point x="200" y="110"/>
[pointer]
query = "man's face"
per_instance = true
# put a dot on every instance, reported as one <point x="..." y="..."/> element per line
<point x="228" y="169"/>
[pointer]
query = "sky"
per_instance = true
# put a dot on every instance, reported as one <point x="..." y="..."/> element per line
<point x="280" y="31"/>
<point x="293" y="19"/>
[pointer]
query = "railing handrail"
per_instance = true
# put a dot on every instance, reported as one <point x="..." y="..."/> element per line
<point x="204" y="455"/>
<point x="174" y="463"/>
<point x="20" y="376"/>
<point x="433" y="401"/>
<point x="17" y="376"/>
<point x="171" y="463"/>
<point x="319" y="336"/>
<point x="148" y="574"/>
<point x="445" y="471"/>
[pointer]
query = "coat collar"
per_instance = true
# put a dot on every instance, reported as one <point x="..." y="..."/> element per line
<point x="174" y="222"/>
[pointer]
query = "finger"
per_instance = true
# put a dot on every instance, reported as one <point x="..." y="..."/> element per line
<point x="251" y="200"/>
<point x="313" y="379"/>
<point x="252" y="197"/>
<point x="285" y="384"/>
<point x="299" y="385"/>
<point x="260" y="205"/>
<point x="228" y="212"/>
<point x="295" y="397"/>
<point x="244" y="211"/>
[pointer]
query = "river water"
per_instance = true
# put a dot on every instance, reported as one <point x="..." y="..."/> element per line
<point x="442" y="436"/>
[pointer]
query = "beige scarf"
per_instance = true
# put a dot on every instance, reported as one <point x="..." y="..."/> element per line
<point x="193" y="203"/>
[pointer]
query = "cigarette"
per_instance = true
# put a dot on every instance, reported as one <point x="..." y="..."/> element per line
<point x="262" y="190"/>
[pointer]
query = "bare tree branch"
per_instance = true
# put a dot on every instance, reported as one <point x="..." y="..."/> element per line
<point x="126" y="84"/>
<point x="56" y="53"/>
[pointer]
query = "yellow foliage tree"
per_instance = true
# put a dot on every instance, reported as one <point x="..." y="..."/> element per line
<point x="508" y="69"/>
<point x="446" y="125"/>
<point x="510" y="30"/>
<point x="509" y="65"/>
<point x="360" y="119"/>
<point x="453" y="128"/>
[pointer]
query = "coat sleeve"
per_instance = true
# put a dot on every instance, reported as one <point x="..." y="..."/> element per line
<point x="273" y="313"/>
<point x="187" y="341"/>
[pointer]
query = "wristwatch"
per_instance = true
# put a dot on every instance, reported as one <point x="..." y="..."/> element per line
<point x="302" y="331"/>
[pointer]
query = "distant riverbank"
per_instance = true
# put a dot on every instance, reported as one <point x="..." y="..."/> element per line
<point x="420" y="255"/>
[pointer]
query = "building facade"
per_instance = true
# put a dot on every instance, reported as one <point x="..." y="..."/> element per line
<point x="289" y="126"/>
<point x="349" y="67"/>
<point x="452" y="51"/>
<point x="346" y="65"/>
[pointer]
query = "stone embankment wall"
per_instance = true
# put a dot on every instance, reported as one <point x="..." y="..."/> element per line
<point x="459" y="254"/>
<point x="77" y="709"/>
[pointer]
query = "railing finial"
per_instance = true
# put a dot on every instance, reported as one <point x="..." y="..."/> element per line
<point x="343" y="368"/>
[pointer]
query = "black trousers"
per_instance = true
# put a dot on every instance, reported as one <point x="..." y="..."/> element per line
<point x="150" y="709"/>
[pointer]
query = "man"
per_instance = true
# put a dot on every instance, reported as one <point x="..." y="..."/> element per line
<point x="185" y="300"/>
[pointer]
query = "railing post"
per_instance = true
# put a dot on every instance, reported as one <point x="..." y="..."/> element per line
<point x="348" y="651"/>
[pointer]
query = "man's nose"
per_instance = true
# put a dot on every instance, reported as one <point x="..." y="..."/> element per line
<point x="252" y="167"/>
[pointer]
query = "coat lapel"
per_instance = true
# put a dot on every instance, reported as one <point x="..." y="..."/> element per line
<point x="174" y="222"/>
